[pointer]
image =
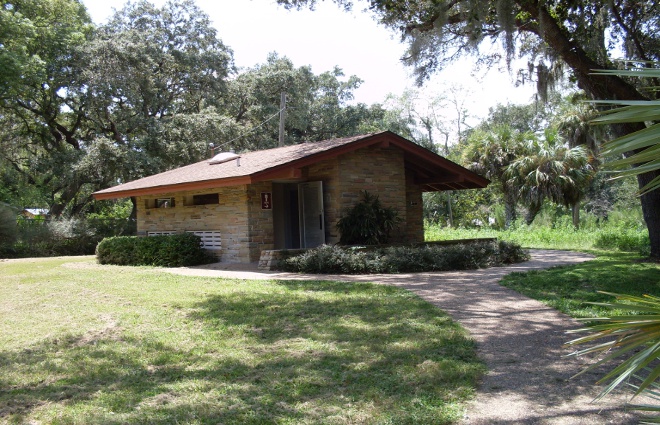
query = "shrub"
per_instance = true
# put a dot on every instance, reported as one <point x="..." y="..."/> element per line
<point x="8" y="230"/>
<point x="62" y="236"/>
<point x="368" y="222"/>
<point x="404" y="259"/>
<point x="118" y="250"/>
<point x="511" y="253"/>
<point x="179" y="250"/>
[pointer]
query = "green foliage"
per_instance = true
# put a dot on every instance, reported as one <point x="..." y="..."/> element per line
<point x="368" y="222"/>
<point x="550" y="169"/>
<point x="83" y="107"/>
<point x="404" y="259"/>
<point x="42" y="117"/>
<point x="8" y="229"/>
<point x="317" y="106"/>
<point x="645" y="143"/>
<point x="630" y="241"/>
<point x="179" y="250"/>
<point x="633" y="340"/>
<point x="490" y="153"/>
<point x="438" y="32"/>
<point x="119" y="209"/>
<point x="117" y="250"/>
<point x="72" y="236"/>
<point x="623" y="230"/>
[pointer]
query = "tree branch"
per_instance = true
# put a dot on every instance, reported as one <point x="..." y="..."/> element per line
<point x="601" y="87"/>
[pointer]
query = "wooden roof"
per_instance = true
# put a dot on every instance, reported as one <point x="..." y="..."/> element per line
<point x="432" y="171"/>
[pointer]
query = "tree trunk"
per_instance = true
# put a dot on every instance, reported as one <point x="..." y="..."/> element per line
<point x="651" y="201"/>
<point x="532" y="212"/>
<point x="450" y="218"/>
<point x="576" y="214"/>
<point x="651" y="211"/>
<point x="509" y="209"/>
<point x="133" y="215"/>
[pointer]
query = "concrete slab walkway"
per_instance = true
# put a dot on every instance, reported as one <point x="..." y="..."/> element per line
<point x="520" y="339"/>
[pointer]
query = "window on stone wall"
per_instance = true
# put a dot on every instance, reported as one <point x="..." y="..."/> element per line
<point x="165" y="203"/>
<point x="204" y="199"/>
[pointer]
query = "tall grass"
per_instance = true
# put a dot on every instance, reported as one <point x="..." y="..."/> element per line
<point x="621" y="232"/>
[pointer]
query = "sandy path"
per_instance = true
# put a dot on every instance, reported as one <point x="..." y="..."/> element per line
<point x="528" y="379"/>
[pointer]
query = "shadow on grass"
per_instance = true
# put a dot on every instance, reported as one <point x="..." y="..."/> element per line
<point x="304" y="352"/>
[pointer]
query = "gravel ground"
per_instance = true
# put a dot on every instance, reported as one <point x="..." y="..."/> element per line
<point x="529" y="379"/>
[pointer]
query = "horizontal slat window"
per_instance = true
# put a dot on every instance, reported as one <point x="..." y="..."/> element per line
<point x="210" y="238"/>
<point x="160" y="233"/>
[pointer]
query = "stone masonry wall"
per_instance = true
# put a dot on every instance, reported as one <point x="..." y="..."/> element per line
<point x="379" y="171"/>
<point x="229" y="217"/>
<point x="414" y="231"/>
<point x="261" y="235"/>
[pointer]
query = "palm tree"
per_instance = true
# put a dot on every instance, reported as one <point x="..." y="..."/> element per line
<point x="552" y="170"/>
<point x="490" y="153"/>
<point x="573" y="122"/>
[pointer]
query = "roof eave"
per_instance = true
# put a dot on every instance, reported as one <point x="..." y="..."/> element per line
<point x="159" y="190"/>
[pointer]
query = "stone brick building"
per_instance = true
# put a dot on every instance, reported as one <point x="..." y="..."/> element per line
<point x="291" y="197"/>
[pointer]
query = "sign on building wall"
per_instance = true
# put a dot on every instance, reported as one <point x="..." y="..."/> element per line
<point x="266" y="201"/>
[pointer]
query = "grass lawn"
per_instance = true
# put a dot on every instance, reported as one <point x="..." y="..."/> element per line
<point x="570" y="288"/>
<point x="82" y="343"/>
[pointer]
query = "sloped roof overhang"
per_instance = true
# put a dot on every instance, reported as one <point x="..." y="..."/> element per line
<point x="433" y="172"/>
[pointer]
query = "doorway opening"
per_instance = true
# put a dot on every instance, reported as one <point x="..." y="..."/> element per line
<point x="298" y="216"/>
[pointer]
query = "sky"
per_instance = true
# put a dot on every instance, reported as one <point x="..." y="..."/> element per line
<point x="327" y="37"/>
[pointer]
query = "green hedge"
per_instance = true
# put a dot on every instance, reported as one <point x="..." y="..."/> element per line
<point x="404" y="259"/>
<point x="66" y="236"/>
<point x="179" y="250"/>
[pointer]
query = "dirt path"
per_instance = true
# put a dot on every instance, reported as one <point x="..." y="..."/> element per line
<point x="520" y="340"/>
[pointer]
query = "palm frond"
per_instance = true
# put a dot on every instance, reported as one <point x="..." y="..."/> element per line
<point x="644" y="143"/>
<point x="633" y="338"/>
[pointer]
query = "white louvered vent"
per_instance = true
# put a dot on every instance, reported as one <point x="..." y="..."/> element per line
<point x="160" y="233"/>
<point x="210" y="238"/>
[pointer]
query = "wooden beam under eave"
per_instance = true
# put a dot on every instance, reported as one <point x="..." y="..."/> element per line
<point x="450" y="178"/>
<point x="295" y="173"/>
<point x="278" y="173"/>
<point x="158" y="190"/>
